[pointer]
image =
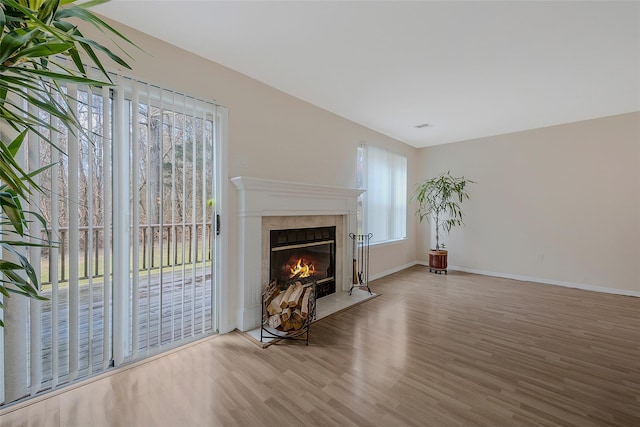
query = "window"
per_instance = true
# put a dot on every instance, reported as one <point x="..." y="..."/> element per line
<point x="384" y="205"/>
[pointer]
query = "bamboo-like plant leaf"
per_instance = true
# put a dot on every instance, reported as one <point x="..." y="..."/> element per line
<point x="86" y="42"/>
<point x="3" y="20"/>
<point x="7" y="265"/>
<point x="27" y="268"/>
<point x="10" y="205"/>
<point x="28" y="244"/>
<point x="12" y="174"/>
<point x="47" y="11"/>
<point x="60" y="77"/>
<point x="16" y="144"/>
<point x="33" y="122"/>
<point x="13" y="41"/>
<point x="81" y="12"/>
<point x="15" y="278"/>
<point x="42" y="50"/>
<point x="35" y="39"/>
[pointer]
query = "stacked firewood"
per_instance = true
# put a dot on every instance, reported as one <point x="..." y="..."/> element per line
<point x="287" y="310"/>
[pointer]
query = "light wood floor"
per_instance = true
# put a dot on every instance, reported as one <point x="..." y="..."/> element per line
<point x="432" y="350"/>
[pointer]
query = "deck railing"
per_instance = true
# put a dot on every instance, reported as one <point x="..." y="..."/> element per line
<point x="177" y="249"/>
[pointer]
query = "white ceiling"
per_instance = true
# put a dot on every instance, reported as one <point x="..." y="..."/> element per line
<point x="468" y="69"/>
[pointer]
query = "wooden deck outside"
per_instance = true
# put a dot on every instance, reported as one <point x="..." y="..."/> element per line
<point x="155" y="329"/>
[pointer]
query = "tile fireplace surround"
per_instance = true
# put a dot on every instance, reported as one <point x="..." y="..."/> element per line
<point x="266" y="205"/>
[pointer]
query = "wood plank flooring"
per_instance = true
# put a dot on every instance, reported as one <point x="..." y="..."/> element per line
<point x="432" y="350"/>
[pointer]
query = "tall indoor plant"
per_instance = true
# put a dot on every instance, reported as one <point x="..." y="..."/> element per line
<point x="37" y="38"/>
<point x="440" y="198"/>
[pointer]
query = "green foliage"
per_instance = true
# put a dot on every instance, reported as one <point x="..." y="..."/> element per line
<point x="440" y="198"/>
<point x="36" y="42"/>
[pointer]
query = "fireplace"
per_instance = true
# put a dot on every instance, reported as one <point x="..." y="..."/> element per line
<point x="305" y="255"/>
<point x="265" y="205"/>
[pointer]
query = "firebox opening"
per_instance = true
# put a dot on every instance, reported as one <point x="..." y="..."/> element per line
<point x="306" y="255"/>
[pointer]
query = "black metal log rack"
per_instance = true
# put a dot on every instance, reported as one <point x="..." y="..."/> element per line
<point x="302" y="334"/>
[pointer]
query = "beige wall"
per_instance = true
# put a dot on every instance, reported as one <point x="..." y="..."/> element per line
<point x="561" y="204"/>
<point x="271" y="135"/>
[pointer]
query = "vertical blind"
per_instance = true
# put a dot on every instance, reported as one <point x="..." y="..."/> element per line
<point x="131" y="206"/>
<point x="385" y="201"/>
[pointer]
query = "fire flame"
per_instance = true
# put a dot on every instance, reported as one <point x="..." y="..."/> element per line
<point x="302" y="269"/>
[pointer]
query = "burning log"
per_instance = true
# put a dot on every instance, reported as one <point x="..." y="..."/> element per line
<point x="301" y="270"/>
<point x="295" y="276"/>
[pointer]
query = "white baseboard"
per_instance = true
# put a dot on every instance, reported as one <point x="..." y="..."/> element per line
<point x="248" y="318"/>
<point x="545" y="281"/>
<point x="394" y="270"/>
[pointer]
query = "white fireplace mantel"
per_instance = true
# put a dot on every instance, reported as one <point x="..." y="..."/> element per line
<point x="261" y="198"/>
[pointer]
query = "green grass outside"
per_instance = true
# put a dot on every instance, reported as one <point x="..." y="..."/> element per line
<point x="99" y="272"/>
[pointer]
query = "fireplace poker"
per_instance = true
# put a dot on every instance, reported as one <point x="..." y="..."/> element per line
<point x="355" y="270"/>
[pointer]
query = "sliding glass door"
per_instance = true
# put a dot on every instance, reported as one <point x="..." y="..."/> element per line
<point x="131" y="202"/>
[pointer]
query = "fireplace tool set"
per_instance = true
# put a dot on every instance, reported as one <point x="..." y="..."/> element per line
<point x="360" y="251"/>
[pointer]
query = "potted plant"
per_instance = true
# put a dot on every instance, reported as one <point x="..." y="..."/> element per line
<point x="440" y="198"/>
